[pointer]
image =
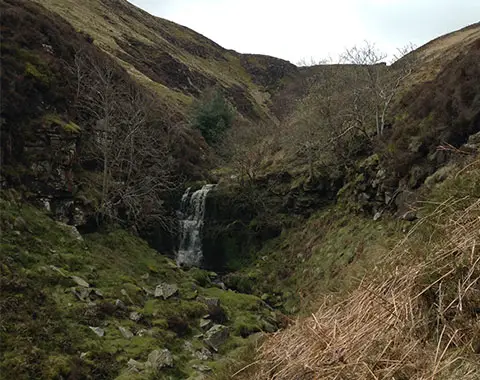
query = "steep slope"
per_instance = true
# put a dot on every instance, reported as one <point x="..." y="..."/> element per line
<point x="106" y="305"/>
<point x="173" y="60"/>
<point x="439" y="51"/>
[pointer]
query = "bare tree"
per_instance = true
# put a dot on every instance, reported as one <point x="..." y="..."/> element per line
<point x="246" y="145"/>
<point x="125" y="141"/>
<point x="375" y="84"/>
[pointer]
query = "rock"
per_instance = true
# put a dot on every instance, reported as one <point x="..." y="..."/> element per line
<point x="204" y="354"/>
<point x="216" y="336"/>
<point x="201" y="367"/>
<point x="124" y="293"/>
<point x="148" y="292"/>
<point x="127" y="334"/>
<point x="97" y="330"/>
<point x="158" y="359"/>
<point x="205" y="324"/>
<point x="268" y="327"/>
<point x="410" y="216"/>
<point x="219" y="285"/>
<point x="135" y="316"/>
<point x="377" y="215"/>
<point x="474" y="139"/>
<point x="120" y="305"/>
<point x="209" y="301"/>
<point x="165" y="290"/>
<point x="80" y="281"/>
<point x="135" y="366"/>
<point x="58" y="270"/>
<point x="144" y="332"/>
<point x="82" y="293"/>
<point x="72" y="230"/>
<point x="440" y="175"/>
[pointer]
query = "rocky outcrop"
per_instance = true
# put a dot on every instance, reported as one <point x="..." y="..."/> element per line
<point x="216" y="336"/>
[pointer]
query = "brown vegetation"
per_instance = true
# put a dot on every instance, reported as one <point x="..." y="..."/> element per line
<point x="413" y="317"/>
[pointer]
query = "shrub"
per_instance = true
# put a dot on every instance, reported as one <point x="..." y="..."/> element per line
<point x="212" y="115"/>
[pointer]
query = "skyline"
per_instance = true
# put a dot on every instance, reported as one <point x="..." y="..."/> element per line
<point x="316" y="29"/>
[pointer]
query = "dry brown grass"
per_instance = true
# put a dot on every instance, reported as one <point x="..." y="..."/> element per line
<point x="414" y="317"/>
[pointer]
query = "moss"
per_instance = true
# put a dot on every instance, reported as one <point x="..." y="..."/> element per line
<point x="54" y="119"/>
<point x="71" y="127"/>
<point x="57" y="367"/>
<point x="33" y="71"/>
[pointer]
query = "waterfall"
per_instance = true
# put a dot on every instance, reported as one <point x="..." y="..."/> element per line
<point x="191" y="213"/>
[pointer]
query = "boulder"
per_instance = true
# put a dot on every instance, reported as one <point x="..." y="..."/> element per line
<point x="144" y="332"/>
<point x="165" y="290"/>
<point x="72" y="230"/>
<point x="209" y="301"/>
<point x="127" y="334"/>
<point x="216" y="336"/>
<point x="204" y="354"/>
<point x="119" y="304"/>
<point x="97" y="330"/>
<point x="80" y="281"/>
<point x="135" y="316"/>
<point x="83" y="294"/>
<point x="135" y="366"/>
<point x="205" y="324"/>
<point x="158" y="359"/>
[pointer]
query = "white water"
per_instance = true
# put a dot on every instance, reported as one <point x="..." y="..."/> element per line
<point x="191" y="214"/>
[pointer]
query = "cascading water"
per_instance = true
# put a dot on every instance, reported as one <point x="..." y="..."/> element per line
<point x="191" y="213"/>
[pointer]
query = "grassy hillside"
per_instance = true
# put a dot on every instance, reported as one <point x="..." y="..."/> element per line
<point x="411" y="312"/>
<point x="175" y="61"/>
<point x="346" y="191"/>
<point x="56" y="286"/>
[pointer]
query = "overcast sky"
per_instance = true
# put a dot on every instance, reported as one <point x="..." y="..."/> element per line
<point x="316" y="28"/>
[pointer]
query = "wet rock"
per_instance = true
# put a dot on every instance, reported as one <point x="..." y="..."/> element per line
<point x="135" y="316"/>
<point x="80" y="281"/>
<point x="216" y="336"/>
<point x="159" y="359"/>
<point x="127" y="334"/>
<point x="165" y="290"/>
<point x="97" y="330"/>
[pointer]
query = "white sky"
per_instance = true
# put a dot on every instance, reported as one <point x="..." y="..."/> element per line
<point x="307" y="29"/>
